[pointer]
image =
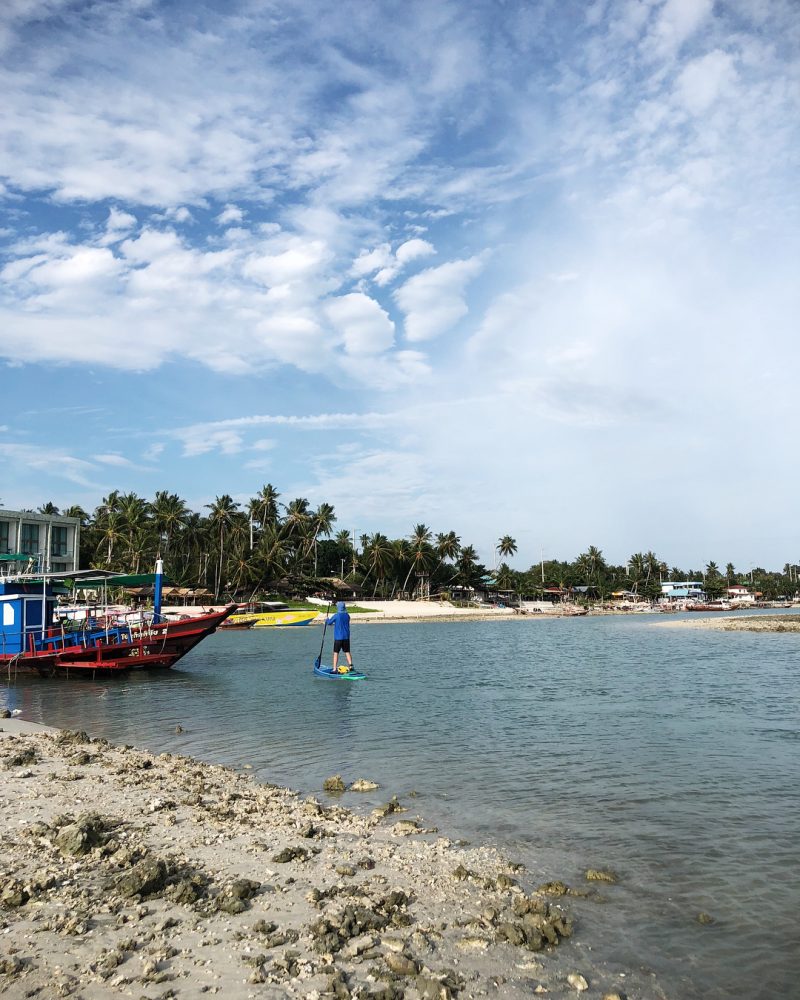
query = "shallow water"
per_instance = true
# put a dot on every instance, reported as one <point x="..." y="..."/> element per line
<point x="670" y="755"/>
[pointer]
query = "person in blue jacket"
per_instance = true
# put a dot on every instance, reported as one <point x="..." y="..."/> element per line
<point x="341" y="637"/>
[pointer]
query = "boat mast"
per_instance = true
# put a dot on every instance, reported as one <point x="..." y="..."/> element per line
<point x="157" y="591"/>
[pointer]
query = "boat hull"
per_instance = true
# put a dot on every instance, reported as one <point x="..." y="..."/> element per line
<point x="115" y="650"/>
<point x="276" y="619"/>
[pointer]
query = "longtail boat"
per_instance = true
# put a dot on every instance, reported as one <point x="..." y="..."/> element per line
<point x="32" y="639"/>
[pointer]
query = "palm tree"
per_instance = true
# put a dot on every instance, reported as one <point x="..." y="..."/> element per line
<point x="378" y="555"/>
<point x="420" y="548"/>
<point x="637" y="569"/>
<point x="77" y="511"/>
<point x="49" y="508"/>
<point x="270" y="557"/>
<point x="223" y="511"/>
<point x="467" y="564"/>
<point x="322" y="521"/>
<point x="448" y="545"/>
<point x="590" y="563"/>
<point x="169" y="515"/>
<point x="730" y="573"/>
<point x="506" y="546"/>
<point x="264" y="505"/>
<point x="505" y="577"/>
<point x="134" y="511"/>
<point x="111" y="527"/>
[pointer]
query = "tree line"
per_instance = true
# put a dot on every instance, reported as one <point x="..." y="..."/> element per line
<point x="267" y="546"/>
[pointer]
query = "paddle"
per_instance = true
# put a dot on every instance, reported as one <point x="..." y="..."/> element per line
<point x="318" y="660"/>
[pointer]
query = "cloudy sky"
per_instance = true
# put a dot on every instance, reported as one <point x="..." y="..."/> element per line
<point x="525" y="267"/>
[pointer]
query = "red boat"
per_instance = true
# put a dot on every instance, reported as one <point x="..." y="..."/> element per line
<point x="30" y="641"/>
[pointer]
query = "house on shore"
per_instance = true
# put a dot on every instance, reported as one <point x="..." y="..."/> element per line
<point x="742" y="595"/>
<point x="673" y="592"/>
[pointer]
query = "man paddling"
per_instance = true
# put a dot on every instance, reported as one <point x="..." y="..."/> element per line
<point x="341" y="637"/>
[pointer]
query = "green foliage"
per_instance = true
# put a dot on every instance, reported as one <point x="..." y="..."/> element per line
<point x="244" y="551"/>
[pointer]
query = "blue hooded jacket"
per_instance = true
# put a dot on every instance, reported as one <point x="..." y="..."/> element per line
<point x="340" y="622"/>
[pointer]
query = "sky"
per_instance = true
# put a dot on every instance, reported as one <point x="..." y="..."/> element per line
<point x="499" y="267"/>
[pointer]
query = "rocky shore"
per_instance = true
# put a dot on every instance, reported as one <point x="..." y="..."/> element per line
<point x="744" y="623"/>
<point x="128" y="874"/>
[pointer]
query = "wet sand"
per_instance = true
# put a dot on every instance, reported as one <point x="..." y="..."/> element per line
<point x="155" y="876"/>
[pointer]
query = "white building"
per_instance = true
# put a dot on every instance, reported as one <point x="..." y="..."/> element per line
<point x="684" y="590"/>
<point x="740" y="595"/>
<point x="51" y="542"/>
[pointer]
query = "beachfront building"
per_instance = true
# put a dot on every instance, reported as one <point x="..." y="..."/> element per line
<point x="741" y="595"/>
<point x="685" y="590"/>
<point x="50" y="542"/>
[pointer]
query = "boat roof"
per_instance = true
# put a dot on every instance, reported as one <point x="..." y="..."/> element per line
<point x="265" y="606"/>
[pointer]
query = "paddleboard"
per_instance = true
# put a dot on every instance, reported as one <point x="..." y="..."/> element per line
<point x="326" y="671"/>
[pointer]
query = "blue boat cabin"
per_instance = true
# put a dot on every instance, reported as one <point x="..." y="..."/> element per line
<point x="26" y="611"/>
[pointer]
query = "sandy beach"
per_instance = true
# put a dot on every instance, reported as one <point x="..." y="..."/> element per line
<point x="405" y="611"/>
<point x="155" y="876"/>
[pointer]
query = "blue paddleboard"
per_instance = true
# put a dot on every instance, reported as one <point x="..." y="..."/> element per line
<point x="326" y="671"/>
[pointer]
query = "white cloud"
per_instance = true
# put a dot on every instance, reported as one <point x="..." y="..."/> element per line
<point x="52" y="461"/>
<point x="231" y="213"/>
<point x="369" y="261"/>
<point x="677" y="21"/>
<point x="704" y="80"/>
<point x="362" y="323"/>
<point x="433" y="301"/>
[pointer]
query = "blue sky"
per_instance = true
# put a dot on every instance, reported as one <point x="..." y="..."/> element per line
<point x="502" y="267"/>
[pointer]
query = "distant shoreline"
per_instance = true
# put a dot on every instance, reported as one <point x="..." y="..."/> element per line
<point x="746" y="623"/>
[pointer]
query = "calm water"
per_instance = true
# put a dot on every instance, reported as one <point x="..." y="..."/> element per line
<point x="670" y="755"/>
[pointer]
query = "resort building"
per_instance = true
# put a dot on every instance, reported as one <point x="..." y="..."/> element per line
<point x="685" y="590"/>
<point x="50" y="542"/>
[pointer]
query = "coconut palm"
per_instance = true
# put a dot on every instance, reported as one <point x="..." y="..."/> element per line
<point x="506" y="546"/>
<point x="111" y="533"/>
<point x="270" y="557"/>
<point x="169" y="516"/>
<point x="378" y="556"/>
<point x="730" y="573"/>
<point x="637" y="569"/>
<point x="420" y="551"/>
<point x="223" y="511"/>
<point x="77" y="511"/>
<point x="505" y="577"/>
<point x="467" y="564"/>
<point x="447" y="546"/>
<point x="321" y="522"/>
<point x="264" y="505"/>
<point x="49" y="508"/>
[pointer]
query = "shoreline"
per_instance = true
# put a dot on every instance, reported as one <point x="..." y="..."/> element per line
<point x="134" y="873"/>
<point x="744" y="623"/>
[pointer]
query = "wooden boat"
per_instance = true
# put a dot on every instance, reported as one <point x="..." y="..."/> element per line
<point x="33" y="640"/>
<point x="272" y="614"/>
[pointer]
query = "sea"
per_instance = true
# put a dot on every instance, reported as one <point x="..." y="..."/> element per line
<point x="670" y="755"/>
